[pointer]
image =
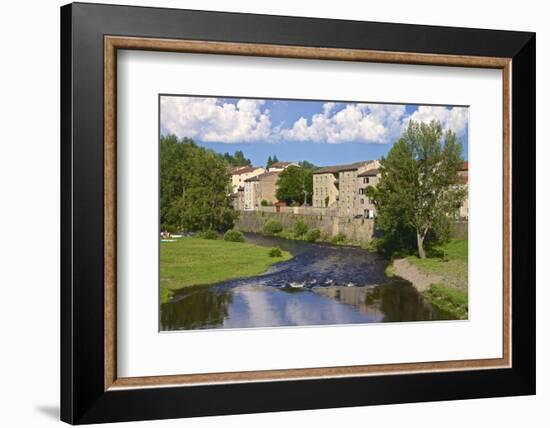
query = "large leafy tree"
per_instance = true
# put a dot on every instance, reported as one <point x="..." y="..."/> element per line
<point x="194" y="187"/>
<point x="418" y="191"/>
<point x="295" y="185"/>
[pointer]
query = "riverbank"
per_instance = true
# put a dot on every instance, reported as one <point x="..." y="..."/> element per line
<point x="195" y="261"/>
<point x="442" y="278"/>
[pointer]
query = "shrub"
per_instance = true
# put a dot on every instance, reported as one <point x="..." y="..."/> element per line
<point x="339" y="237"/>
<point x="272" y="227"/>
<point x="169" y="228"/>
<point x="275" y="252"/>
<point x="313" y="235"/>
<point x="208" y="234"/>
<point x="233" y="235"/>
<point x="264" y="203"/>
<point x="300" y="228"/>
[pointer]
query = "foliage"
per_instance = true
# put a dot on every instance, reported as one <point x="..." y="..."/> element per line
<point x="307" y="165"/>
<point x="194" y="187"/>
<point x="208" y="234"/>
<point x="165" y="295"/>
<point x="300" y="228"/>
<point x="169" y="228"/>
<point x="233" y="235"/>
<point x="194" y="261"/>
<point x="295" y="185"/>
<point x="418" y="192"/>
<point x="390" y="270"/>
<point x="272" y="227"/>
<point x="313" y="235"/>
<point x="452" y="300"/>
<point x="236" y="159"/>
<point x="271" y="161"/>
<point x="265" y="203"/>
<point x="275" y="252"/>
<point x="338" y="238"/>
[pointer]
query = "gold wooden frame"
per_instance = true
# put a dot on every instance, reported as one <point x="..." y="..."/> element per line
<point x="113" y="43"/>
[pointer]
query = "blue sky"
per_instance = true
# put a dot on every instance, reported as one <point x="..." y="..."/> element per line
<point x="321" y="132"/>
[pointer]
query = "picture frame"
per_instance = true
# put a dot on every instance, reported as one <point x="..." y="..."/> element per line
<point x="91" y="391"/>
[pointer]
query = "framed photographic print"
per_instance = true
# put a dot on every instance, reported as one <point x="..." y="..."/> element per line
<point x="265" y="213"/>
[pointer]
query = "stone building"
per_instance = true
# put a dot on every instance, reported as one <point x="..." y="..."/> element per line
<point x="241" y="173"/>
<point x="337" y="187"/>
<point x="260" y="188"/>
<point x="364" y="205"/>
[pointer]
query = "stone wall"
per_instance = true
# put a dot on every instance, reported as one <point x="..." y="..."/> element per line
<point x="355" y="229"/>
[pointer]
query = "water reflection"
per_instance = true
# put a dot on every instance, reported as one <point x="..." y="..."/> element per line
<point x="321" y="285"/>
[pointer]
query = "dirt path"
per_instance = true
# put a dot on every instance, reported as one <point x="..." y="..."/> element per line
<point x="420" y="280"/>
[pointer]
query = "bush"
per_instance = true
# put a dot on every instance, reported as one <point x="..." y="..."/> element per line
<point x="313" y="235"/>
<point x="338" y="238"/>
<point x="233" y="235"/>
<point x="272" y="227"/>
<point x="208" y="234"/>
<point x="171" y="229"/>
<point x="265" y="203"/>
<point x="275" y="252"/>
<point x="300" y="228"/>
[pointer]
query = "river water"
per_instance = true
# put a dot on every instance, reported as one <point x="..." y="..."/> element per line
<point x="321" y="285"/>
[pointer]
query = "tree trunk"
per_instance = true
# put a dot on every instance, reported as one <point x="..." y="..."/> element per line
<point x="420" y="243"/>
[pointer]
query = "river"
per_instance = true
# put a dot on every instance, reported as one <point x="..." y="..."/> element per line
<point x="323" y="284"/>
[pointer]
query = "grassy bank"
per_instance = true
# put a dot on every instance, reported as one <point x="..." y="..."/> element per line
<point x="195" y="261"/>
<point x="450" y="299"/>
<point x="449" y="263"/>
<point x="449" y="260"/>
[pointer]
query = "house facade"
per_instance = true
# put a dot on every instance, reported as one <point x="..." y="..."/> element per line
<point x="364" y="205"/>
<point x="240" y="174"/>
<point x="262" y="187"/>
<point x="340" y="187"/>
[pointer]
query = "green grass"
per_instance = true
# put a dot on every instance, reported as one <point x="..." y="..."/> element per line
<point x="449" y="299"/>
<point x="449" y="260"/>
<point x="390" y="270"/>
<point x="195" y="261"/>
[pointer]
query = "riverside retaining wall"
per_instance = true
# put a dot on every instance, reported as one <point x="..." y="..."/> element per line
<point x="355" y="229"/>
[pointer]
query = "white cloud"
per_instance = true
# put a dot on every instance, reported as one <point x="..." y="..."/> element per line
<point x="362" y="123"/>
<point x="210" y="120"/>
<point x="455" y="118"/>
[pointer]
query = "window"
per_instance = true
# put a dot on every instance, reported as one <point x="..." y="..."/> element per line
<point x="365" y="180"/>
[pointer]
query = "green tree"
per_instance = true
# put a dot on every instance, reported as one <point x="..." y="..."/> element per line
<point x="271" y="161"/>
<point x="295" y="185"/>
<point x="237" y="159"/>
<point x="306" y="164"/>
<point x="418" y="190"/>
<point x="194" y="187"/>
